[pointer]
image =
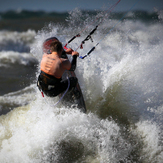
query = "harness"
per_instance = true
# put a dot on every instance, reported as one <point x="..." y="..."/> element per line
<point x="47" y="82"/>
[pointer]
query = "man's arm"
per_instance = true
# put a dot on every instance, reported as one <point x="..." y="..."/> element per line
<point x="70" y="66"/>
<point x="73" y="63"/>
<point x="74" y="60"/>
<point x="69" y="51"/>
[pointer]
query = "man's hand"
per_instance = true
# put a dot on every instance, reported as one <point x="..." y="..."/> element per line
<point x="75" y="53"/>
<point x="69" y="51"/>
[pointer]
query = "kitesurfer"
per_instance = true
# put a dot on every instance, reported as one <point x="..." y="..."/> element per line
<point x="52" y="68"/>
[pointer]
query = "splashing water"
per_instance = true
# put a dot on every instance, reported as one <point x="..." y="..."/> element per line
<point x="122" y="86"/>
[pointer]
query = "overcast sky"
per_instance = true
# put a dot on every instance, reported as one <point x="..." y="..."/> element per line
<point x="68" y="5"/>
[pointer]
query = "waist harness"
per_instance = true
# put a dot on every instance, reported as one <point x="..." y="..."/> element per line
<point x="47" y="82"/>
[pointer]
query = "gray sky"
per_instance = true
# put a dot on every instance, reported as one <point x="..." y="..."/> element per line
<point x="68" y="5"/>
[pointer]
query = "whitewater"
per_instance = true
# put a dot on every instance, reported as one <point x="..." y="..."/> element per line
<point x="121" y="82"/>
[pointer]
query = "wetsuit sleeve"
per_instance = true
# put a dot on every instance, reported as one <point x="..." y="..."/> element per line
<point x="73" y="63"/>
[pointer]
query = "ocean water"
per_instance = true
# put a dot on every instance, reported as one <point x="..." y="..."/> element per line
<point x="121" y="82"/>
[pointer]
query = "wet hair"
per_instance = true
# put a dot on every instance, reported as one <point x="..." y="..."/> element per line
<point x="56" y="46"/>
<point x="46" y="44"/>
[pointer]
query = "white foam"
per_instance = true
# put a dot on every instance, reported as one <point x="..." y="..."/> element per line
<point x="34" y="132"/>
<point x="16" y="41"/>
<point x="7" y="58"/>
<point x="149" y="133"/>
<point x="21" y="97"/>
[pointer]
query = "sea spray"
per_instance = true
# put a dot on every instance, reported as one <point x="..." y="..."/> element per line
<point x="122" y="85"/>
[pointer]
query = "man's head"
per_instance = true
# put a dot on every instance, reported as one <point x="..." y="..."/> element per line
<point x="56" y="46"/>
<point x="46" y="44"/>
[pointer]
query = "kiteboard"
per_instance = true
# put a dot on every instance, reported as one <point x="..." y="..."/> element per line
<point x="73" y="98"/>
